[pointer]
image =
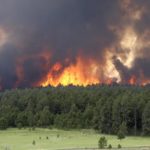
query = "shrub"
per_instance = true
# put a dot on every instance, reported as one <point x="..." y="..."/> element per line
<point x="102" y="143"/>
<point x="58" y="135"/>
<point x="19" y="125"/>
<point x="33" y="142"/>
<point x="121" y="135"/>
<point x="47" y="138"/>
<point x="119" y="146"/>
<point x="109" y="146"/>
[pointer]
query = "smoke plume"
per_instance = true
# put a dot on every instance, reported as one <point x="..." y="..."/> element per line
<point x="52" y="42"/>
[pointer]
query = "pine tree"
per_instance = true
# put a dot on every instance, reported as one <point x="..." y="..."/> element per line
<point x="122" y="131"/>
<point x="102" y="143"/>
<point x="3" y="123"/>
<point x="146" y="120"/>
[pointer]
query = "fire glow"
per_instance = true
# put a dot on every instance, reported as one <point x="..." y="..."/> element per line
<point x="79" y="74"/>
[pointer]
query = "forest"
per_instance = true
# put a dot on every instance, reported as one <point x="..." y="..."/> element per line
<point x="101" y="107"/>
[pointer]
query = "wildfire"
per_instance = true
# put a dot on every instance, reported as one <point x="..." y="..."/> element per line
<point x="133" y="80"/>
<point x="76" y="74"/>
<point x="82" y="72"/>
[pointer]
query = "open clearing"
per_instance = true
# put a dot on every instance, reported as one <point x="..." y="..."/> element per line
<point x="54" y="139"/>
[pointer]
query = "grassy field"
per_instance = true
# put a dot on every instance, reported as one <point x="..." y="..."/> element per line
<point x="15" y="139"/>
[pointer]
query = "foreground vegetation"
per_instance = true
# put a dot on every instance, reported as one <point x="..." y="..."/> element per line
<point x="53" y="139"/>
<point x="104" y="108"/>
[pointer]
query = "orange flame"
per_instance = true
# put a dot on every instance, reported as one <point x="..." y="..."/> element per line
<point x="133" y="80"/>
<point x="77" y="74"/>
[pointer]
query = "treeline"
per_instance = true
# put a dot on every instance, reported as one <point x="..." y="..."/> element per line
<point x="103" y="108"/>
